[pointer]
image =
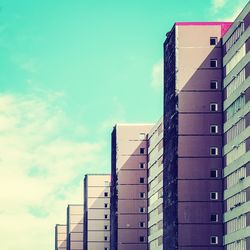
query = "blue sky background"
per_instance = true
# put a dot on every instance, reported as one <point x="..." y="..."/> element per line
<point x="69" y="70"/>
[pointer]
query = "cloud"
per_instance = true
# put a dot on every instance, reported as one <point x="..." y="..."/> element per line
<point x="42" y="167"/>
<point x="218" y="4"/>
<point x="157" y="75"/>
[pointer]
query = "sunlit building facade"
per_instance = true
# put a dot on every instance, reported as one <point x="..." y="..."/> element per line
<point x="236" y="46"/>
<point x="75" y="227"/>
<point x="155" y="187"/>
<point x="60" y="237"/>
<point x="97" y="212"/>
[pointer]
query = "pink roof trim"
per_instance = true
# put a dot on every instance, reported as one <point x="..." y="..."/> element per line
<point x="224" y="25"/>
<point x="202" y="23"/>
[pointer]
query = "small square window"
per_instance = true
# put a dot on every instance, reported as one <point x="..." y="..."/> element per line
<point x="105" y="216"/>
<point x="142" y="136"/>
<point x="142" y="195"/>
<point x="142" y="210"/>
<point x="106" y="194"/>
<point x="213" y="63"/>
<point x="142" y="180"/>
<point x="214" y="240"/>
<point x="213" y="40"/>
<point x="214" y="151"/>
<point x="105" y="238"/>
<point x="214" y="217"/>
<point x="142" y="165"/>
<point x="142" y="224"/>
<point x="105" y="248"/>
<point x="142" y="151"/>
<point x="213" y="85"/>
<point x="213" y="129"/>
<point x="214" y="173"/>
<point x="142" y="238"/>
<point x="105" y="227"/>
<point x="106" y="205"/>
<point x="214" y="196"/>
<point x="213" y="107"/>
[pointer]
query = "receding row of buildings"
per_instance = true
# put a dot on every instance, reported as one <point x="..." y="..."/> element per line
<point x="184" y="182"/>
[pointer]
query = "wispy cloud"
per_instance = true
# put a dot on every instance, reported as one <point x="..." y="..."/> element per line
<point x="157" y="75"/>
<point x="41" y="168"/>
<point x="226" y="10"/>
<point x="218" y="4"/>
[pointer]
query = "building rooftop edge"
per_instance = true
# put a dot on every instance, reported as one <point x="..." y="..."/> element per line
<point x="202" y="23"/>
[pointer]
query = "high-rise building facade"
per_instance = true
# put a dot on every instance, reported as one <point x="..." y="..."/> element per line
<point x="75" y="227"/>
<point x="236" y="46"/>
<point x="97" y="212"/>
<point x="129" y="187"/>
<point x="155" y="187"/>
<point x="192" y="179"/>
<point x="60" y="237"/>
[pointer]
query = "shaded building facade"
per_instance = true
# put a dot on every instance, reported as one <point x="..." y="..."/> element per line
<point x="129" y="186"/>
<point x="192" y="175"/>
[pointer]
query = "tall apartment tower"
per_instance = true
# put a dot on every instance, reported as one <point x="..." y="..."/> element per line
<point x="60" y="237"/>
<point x="97" y="212"/>
<point x="192" y="168"/>
<point x="155" y="187"/>
<point x="236" y="46"/>
<point x="75" y="227"/>
<point x="129" y="187"/>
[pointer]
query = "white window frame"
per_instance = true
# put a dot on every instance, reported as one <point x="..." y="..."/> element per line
<point x="216" y="107"/>
<point x="216" y="128"/>
<point x="216" y="63"/>
<point x="216" y="151"/>
<point x="217" y="218"/>
<point x="216" y="239"/>
<point x="216" y="196"/>
<point x="216" y="40"/>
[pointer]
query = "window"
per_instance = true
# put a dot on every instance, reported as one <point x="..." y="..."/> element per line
<point x="214" y="196"/>
<point x="106" y="205"/>
<point x="105" y="248"/>
<point x="142" y="224"/>
<point x="213" y="173"/>
<point x="213" y="63"/>
<point x="105" y="216"/>
<point x="142" y="165"/>
<point x="213" y="40"/>
<point x="142" y="195"/>
<point x="213" y="129"/>
<point x="213" y="85"/>
<point x="142" y="180"/>
<point x="213" y="107"/>
<point x="105" y="238"/>
<point x="214" y="240"/>
<point x="142" y="238"/>
<point x="214" y="217"/>
<point x="214" y="151"/>
<point x="142" y="136"/>
<point x="106" y="194"/>
<point x="105" y="227"/>
<point x="142" y="210"/>
<point x="142" y="151"/>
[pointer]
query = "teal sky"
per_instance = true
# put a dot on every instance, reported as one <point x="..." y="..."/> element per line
<point x="69" y="70"/>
